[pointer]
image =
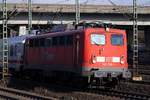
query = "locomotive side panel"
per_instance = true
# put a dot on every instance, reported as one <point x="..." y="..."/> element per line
<point x="56" y="53"/>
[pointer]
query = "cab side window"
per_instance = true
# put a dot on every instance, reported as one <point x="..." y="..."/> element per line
<point x="55" y="41"/>
<point x="42" y="42"/>
<point x="69" y="40"/>
<point x="48" y="42"/>
<point x="62" y="40"/>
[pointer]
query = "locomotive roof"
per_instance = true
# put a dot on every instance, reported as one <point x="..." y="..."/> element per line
<point x="118" y="31"/>
<point x="57" y="33"/>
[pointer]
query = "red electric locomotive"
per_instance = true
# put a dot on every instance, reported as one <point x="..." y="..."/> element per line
<point x="91" y="53"/>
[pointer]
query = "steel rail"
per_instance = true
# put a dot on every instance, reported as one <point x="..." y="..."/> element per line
<point x="119" y="93"/>
<point x="14" y="94"/>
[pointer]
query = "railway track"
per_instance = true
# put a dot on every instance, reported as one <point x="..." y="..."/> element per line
<point x="144" y="71"/>
<point x="17" y="94"/>
<point x="120" y="94"/>
<point x="112" y="93"/>
<point x="127" y="95"/>
<point x="14" y="94"/>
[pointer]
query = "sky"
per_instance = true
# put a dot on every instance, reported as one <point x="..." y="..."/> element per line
<point x="99" y="2"/>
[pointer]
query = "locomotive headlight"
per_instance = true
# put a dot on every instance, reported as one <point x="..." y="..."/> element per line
<point x="122" y="62"/>
<point x="122" y="59"/>
<point x="94" y="59"/>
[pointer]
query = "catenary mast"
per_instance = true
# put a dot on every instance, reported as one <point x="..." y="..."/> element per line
<point x="77" y="9"/>
<point x="5" y="70"/>
<point x="29" y="16"/>
<point x="136" y="75"/>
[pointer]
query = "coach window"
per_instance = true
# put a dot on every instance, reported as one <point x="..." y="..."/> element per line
<point x="31" y="43"/>
<point x="117" y="39"/>
<point x="69" y="40"/>
<point x="27" y="44"/>
<point x="98" y="39"/>
<point x="48" y="42"/>
<point x="54" y="41"/>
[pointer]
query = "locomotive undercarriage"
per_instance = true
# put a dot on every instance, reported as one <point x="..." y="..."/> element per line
<point x="83" y="79"/>
<point x="107" y="78"/>
<point x="105" y="82"/>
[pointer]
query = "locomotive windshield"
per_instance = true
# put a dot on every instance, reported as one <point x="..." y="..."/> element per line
<point x="97" y="39"/>
<point x="116" y="39"/>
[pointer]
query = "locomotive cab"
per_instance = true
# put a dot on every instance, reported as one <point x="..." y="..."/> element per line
<point x="105" y="53"/>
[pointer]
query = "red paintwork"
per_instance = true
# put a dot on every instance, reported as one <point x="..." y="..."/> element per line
<point x="109" y="50"/>
<point x="68" y="57"/>
<point x="60" y="55"/>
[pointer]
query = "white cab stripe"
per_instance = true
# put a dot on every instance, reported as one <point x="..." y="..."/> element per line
<point x="100" y="59"/>
<point x="115" y="59"/>
<point x="111" y="59"/>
